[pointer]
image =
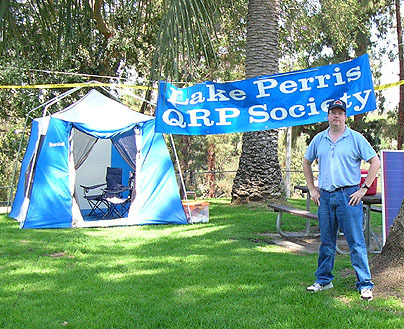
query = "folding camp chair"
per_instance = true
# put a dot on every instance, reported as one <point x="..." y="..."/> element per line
<point x="95" y="201"/>
<point x="112" y="196"/>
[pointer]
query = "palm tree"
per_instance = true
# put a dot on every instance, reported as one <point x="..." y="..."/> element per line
<point x="258" y="177"/>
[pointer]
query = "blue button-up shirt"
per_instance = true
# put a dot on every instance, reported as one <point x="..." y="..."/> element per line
<point x="339" y="162"/>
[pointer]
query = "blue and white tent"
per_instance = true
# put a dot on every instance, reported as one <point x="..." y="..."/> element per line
<point x="74" y="147"/>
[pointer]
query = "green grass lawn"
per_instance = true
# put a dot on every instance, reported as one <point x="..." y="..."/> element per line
<point x="216" y="275"/>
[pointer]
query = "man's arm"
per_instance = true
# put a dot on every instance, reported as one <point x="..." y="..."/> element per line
<point x="308" y="174"/>
<point x="372" y="172"/>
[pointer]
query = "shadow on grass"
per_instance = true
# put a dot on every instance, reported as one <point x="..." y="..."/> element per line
<point x="215" y="275"/>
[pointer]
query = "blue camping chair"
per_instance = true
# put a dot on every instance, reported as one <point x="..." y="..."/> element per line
<point x="111" y="196"/>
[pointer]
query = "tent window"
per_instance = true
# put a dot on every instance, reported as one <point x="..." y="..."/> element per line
<point x="82" y="147"/>
<point x="125" y="144"/>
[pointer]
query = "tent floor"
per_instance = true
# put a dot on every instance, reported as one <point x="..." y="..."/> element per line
<point x="97" y="220"/>
<point x="106" y="222"/>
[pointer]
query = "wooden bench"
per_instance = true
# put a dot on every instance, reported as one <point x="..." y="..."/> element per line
<point x="280" y="209"/>
<point x="376" y="209"/>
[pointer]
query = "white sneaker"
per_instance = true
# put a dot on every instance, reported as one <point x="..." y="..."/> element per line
<point x="318" y="287"/>
<point x="366" y="294"/>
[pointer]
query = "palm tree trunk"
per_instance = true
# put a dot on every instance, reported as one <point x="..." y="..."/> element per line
<point x="258" y="177"/>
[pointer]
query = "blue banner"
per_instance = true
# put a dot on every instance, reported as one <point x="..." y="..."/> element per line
<point x="267" y="102"/>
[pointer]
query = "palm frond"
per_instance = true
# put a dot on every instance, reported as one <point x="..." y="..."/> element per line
<point x="184" y="37"/>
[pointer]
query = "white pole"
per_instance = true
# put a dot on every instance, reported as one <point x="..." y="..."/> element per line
<point x="288" y="159"/>
<point x="181" y="178"/>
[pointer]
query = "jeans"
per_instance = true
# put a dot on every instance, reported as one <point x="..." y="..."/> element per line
<point x="335" y="212"/>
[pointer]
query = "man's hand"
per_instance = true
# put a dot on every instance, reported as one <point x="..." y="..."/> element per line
<point x="315" y="196"/>
<point x="308" y="174"/>
<point x="357" y="197"/>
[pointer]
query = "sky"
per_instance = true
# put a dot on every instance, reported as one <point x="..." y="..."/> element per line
<point x="390" y="72"/>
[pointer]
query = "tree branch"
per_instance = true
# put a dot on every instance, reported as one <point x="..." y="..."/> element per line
<point x="101" y="25"/>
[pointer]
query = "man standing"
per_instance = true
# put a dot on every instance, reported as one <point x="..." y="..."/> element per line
<point x="339" y="151"/>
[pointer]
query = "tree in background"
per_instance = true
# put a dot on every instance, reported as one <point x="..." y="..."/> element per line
<point x="258" y="177"/>
<point x="218" y="153"/>
<point x="400" y="114"/>
<point x="331" y="31"/>
<point x="110" y="41"/>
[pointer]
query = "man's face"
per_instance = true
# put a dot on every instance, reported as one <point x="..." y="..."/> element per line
<point x="336" y="117"/>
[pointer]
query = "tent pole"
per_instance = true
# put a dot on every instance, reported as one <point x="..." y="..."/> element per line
<point x="46" y="105"/>
<point x="42" y="130"/>
<point x="11" y="191"/>
<point x="181" y="177"/>
<point x="58" y="98"/>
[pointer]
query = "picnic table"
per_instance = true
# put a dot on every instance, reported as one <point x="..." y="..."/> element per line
<point x="368" y="202"/>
